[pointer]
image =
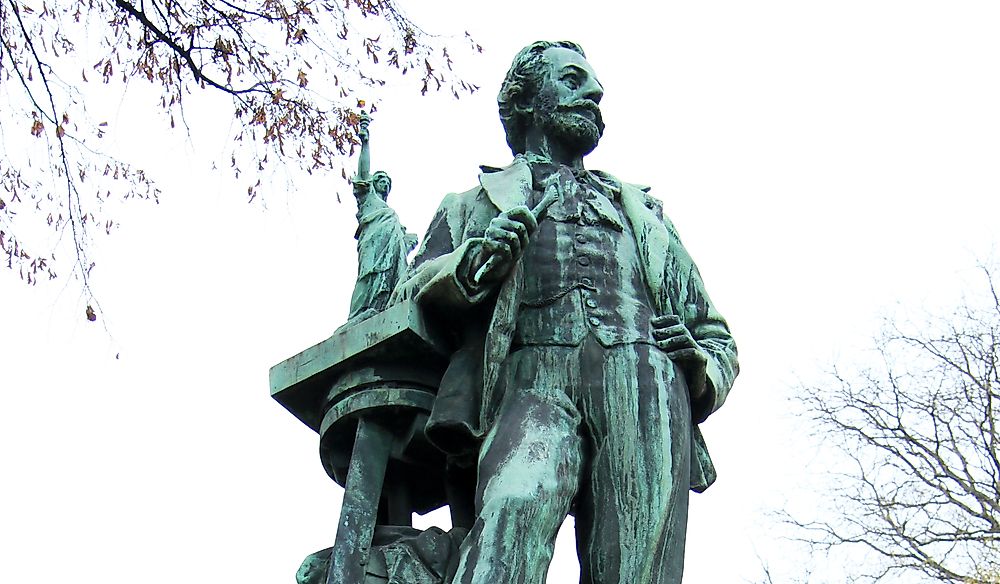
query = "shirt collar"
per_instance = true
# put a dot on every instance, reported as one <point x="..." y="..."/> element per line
<point x="542" y="167"/>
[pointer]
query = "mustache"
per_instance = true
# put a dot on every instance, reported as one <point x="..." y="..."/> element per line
<point x="583" y="104"/>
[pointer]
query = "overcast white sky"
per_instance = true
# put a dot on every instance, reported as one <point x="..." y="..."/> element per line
<point x="823" y="162"/>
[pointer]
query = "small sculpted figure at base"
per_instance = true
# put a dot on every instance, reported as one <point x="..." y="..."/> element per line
<point x="383" y="243"/>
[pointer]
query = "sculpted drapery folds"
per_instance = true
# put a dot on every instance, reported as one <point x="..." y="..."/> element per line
<point x="383" y="244"/>
<point x="586" y="349"/>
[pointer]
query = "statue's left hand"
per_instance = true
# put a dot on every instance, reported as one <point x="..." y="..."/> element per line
<point x="675" y="339"/>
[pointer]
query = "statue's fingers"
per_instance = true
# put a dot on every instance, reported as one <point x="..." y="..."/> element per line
<point x="677" y="330"/>
<point x="496" y="230"/>
<point x="490" y="244"/>
<point x="521" y="230"/>
<point x="683" y="354"/>
<point x="508" y="224"/>
<point x="675" y="343"/>
<point x="524" y="216"/>
<point x="515" y="233"/>
<point x="508" y="237"/>
<point x="666" y="320"/>
<point x="497" y="246"/>
<point x="513" y="243"/>
<point x="666" y="345"/>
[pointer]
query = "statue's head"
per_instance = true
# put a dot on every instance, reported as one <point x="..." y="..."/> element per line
<point x="381" y="183"/>
<point x="551" y="84"/>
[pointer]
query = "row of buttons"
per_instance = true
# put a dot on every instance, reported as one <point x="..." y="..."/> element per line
<point x="590" y="303"/>
<point x="585" y="261"/>
<point x="582" y="260"/>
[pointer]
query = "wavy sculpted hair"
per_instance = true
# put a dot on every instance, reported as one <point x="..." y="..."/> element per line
<point x="525" y="78"/>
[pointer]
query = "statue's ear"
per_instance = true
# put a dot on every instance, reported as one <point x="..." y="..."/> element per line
<point x="524" y="101"/>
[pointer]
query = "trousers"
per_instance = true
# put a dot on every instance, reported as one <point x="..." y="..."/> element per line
<point x="601" y="432"/>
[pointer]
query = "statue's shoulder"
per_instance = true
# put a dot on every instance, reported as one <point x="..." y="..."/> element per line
<point x="616" y="182"/>
<point x="652" y="202"/>
<point x="461" y="201"/>
<point x="645" y="194"/>
<point x="498" y="188"/>
<point x="655" y="204"/>
<point x="476" y="192"/>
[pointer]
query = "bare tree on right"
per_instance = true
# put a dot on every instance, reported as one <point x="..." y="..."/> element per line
<point x="918" y="426"/>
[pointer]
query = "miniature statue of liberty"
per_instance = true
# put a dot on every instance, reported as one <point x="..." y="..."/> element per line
<point x="383" y="243"/>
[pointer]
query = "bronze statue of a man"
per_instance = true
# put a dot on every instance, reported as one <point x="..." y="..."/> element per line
<point x="587" y="350"/>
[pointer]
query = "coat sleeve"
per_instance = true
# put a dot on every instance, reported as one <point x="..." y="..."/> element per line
<point x="709" y="329"/>
<point x="435" y="281"/>
<point x="441" y="272"/>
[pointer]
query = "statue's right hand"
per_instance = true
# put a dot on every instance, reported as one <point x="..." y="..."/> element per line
<point x="363" y="134"/>
<point x="506" y="238"/>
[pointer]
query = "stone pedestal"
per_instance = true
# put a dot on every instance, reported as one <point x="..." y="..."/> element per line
<point x="367" y="391"/>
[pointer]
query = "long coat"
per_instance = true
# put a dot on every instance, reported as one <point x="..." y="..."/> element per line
<point x="482" y="322"/>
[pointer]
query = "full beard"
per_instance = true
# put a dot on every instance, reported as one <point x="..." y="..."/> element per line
<point x="570" y="127"/>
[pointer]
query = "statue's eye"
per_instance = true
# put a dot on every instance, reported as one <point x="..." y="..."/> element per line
<point x="572" y="80"/>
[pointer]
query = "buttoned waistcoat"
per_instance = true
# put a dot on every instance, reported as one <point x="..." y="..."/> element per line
<point x="583" y="274"/>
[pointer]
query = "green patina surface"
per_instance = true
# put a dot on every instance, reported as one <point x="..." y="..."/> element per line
<point x="383" y="243"/>
<point x="301" y="382"/>
<point x="550" y="350"/>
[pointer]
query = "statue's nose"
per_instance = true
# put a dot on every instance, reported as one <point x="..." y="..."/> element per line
<point x="592" y="90"/>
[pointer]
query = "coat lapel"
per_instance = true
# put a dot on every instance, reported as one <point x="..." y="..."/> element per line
<point x="653" y="241"/>
<point x="509" y="187"/>
<point x="506" y="189"/>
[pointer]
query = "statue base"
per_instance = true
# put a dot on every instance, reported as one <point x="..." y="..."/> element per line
<point x="367" y="391"/>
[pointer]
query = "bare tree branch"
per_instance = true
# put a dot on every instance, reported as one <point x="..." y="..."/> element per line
<point x="920" y="428"/>
<point x="297" y="71"/>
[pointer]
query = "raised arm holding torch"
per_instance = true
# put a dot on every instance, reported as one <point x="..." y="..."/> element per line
<point x="383" y="242"/>
<point x="364" y="161"/>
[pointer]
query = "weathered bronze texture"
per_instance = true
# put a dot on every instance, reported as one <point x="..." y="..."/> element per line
<point x="550" y="351"/>
<point x="383" y="243"/>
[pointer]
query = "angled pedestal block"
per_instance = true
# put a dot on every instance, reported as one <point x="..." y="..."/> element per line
<point x="367" y="391"/>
